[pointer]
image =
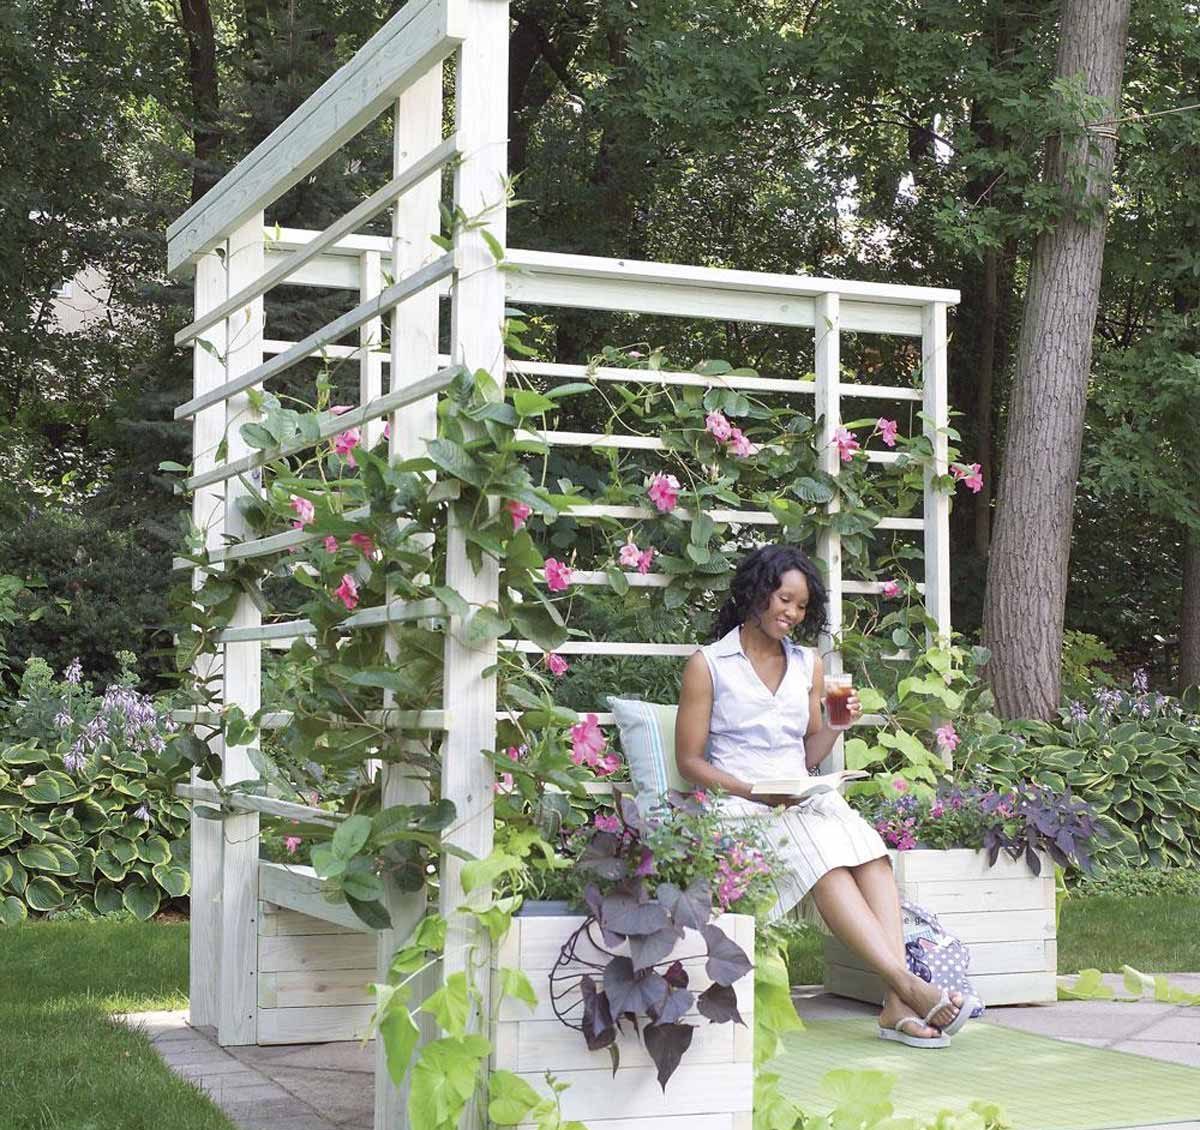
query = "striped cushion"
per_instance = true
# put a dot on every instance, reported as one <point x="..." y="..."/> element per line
<point x="648" y="740"/>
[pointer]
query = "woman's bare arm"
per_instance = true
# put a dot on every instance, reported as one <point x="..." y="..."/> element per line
<point x="691" y="732"/>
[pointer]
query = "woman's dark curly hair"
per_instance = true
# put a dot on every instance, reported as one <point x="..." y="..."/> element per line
<point x="757" y="577"/>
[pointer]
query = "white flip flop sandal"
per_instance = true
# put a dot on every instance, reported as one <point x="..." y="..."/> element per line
<point x="897" y="1034"/>
<point x="969" y="1004"/>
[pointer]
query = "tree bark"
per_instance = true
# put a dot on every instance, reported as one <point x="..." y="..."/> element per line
<point x="196" y="18"/>
<point x="1189" y="615"/>
<point x="1027" y="570"/>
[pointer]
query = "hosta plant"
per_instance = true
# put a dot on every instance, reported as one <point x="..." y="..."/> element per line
<point x="86" y="818"/>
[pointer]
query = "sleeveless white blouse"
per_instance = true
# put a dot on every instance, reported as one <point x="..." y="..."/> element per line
<point x="754" y="734"/>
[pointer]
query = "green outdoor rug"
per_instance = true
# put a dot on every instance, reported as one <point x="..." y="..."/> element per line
<point x="1042" y="1084"/>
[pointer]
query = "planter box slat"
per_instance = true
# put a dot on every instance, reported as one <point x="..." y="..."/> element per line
<point x="1011" y="926"/>
<point x="274" y="921"/>
<point x="294" y="952"/>
<point x="313" y="1025"/>
<point x="953" y="896"/>
<point x="303" y="988"/>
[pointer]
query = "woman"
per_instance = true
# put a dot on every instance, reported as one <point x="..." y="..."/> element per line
<point x="750" y="710"/>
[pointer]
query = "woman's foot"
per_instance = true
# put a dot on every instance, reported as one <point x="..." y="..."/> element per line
<point x="895" y="1010"/>
<point x="925" y="997"/>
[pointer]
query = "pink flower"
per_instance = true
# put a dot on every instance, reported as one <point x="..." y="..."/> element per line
<point x="889" y="589"/>
<point x="947" y="737"/>
<point x="292" y="843"/>
<point x="700" y="796"/>
<point x="516" y="752"/>
<point x="645" y="559"/>
<point x="339" y="409"/>
<point x="304" y="510"/>
<point x="629" y="555"/>
<point x="347" y="592"/>
<point x="740" y="445"/>
<point x="504" y="784"/>
<point x="887" y="431"/>
<point x="663" y="491"/>
<point x="970" y="475"/>
<point x="331" y="544"/>
<point x="937" y="810"/>
<point x="558" y="575"/>
<point x="646" y="866"/>
<point x="387" y="430"/>
<point x="609" y="763"/>
<point x="557" y="664"/>
<point x="717" y="426"/>
<point x="586" y="741"/>
<point x="519" y="511"/>
<point x="363" y="543"/>
<point x="607" y="823"/>
<point x="847" y="445"/>
<point x="345" y="444"/>
<point x="900" y="785"/>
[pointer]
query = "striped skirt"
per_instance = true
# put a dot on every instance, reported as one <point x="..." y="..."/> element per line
<point x="810" y="838"/>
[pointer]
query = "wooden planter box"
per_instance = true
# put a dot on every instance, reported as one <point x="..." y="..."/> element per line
<point x="1004" y="914"/>
<point x="713" y="1087"/>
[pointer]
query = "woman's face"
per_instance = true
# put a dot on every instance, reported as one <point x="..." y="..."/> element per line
<point x="786" y="607"/>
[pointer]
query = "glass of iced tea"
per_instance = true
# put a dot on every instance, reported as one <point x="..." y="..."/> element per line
<point x="838" y="689"/>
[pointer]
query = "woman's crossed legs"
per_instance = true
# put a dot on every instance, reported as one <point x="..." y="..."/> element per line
<point x="861" y="906"/>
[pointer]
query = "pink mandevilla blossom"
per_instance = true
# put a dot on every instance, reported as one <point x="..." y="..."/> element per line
<point x="587" y="741"/>
<point x="970" y="475"/>
<point x="887" y="430"/>
<point x="518" y="511"/>
<point x="304" y="510"/>
<point x="663" y="491"/>
<point x="340" y="409"/>
<point x="364" y="543"/>
<point x="504" y="784"/>
<point x="947" y="736"/>
<point x="292" y="843"/>
<point x="331" y="544"/>
<point x="345" y="444"/>
<point x="557" y="664"/>
<point x="740" y="445"/>
<point x="607" y="823"/>
<point x="717" y="426"/>
<point x="629" y="555"/>
<point x="889" y="589"/>
<point x="847" y="445"/>
<point x="558" y="575"/>
<point x="515" y="752"/>
<point x="347" y="592"/>
<point x="646" y="559"/>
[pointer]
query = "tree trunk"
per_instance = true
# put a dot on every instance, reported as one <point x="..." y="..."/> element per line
<point x="1189" y="615"/>
<point x="1027" y="571"/>
<point x="202" y="77"/>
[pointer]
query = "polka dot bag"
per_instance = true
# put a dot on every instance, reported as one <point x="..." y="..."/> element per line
<point x="934" y="954"/>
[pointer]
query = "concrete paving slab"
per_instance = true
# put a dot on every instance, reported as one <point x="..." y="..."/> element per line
<point x="347" y="1055"/>
<point x="340" y="1096"/>
<point x="1187" y="1054"/>
<point x="1183" y="1027"/>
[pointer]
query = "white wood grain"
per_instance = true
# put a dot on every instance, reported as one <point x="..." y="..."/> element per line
<point x="315" y="988"/>
<point x="418" y="37"/>
<point x="954" y="896"/>
<point x="274" y="920"/>
<point x="290" y="953"/>
<point x="241" y="673"/>
<point x="208" y="514"/>
<point x="298" y="888"/>
<point x="960" y="865"/>
<point x="936" y="504"/>
<point x="319" y="1025"/>
<point x="995" y="989"/>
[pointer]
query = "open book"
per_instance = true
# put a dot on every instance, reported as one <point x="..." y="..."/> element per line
<point x="806" y="786"/>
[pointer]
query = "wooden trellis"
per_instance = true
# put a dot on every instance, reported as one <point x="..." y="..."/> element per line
<point x="251" y="919"/>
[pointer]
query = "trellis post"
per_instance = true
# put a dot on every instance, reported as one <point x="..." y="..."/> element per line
<point x="238" y="1022"/>
<point x="476" y="341"/>
<point x="827" y="366"/>
<point x="208" y="516"/>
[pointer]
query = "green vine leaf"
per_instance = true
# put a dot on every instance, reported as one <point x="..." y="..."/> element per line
<point x="450" y="1005"/>
<point x="486" y="624"/>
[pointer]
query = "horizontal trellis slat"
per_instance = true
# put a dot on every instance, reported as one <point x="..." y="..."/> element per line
<point x="270" y="806"/>
<point x="430" y="163"/>
<point x="418" y="37"/>
<point x="259" y="547"/>
<point x="362" y="313"/>
<point x="330" y="425"/>
<point x="662" y="581"/>
<point x="747" y="517"/>
<point x="278" y="719"/>
<point x="395" y="612"/>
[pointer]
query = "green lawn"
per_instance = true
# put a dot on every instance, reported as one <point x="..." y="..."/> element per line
<point x="1159" y="934"/>
<point x="63" y="1064"/>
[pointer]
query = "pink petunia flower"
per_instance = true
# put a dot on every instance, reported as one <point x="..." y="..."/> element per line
<point x="889" y="589"/>
<point x="700" y="796"/>
<point x="331" y="544"/>
<point x="629" y="555"/>
<point x="607" y="823"/>
<point x="947" y="736"/>
<point x="364" y="543"/>
<point x="345" y="444"/>
<point x="646" y="866"/>
<point x="292" y="843"/>
<point x="970" y="475"/>
<point x="900" y="785"/>
<point x="304" y="510"/>
<point x="887" y="431"/>
<point x="609" y="763"/>
<point x="717" y="426"/>
<point x="347" y="592"/>
<point x="740" y="445"/>
<point x="646" y="559"/>
<point x="847" y="445"/>
<point x="518" y="511"/>
<point x="663" y="491"/>
<point x="587" y="741"/>
<point x="557" y="664"/>
<point x="558" y="575"/>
